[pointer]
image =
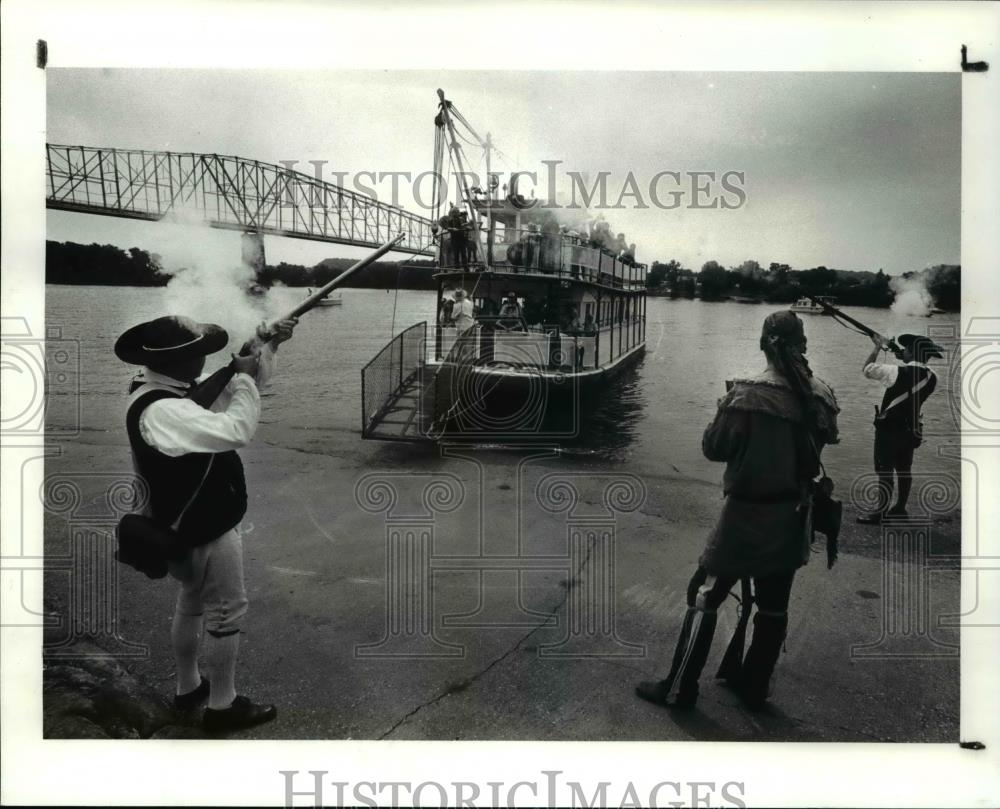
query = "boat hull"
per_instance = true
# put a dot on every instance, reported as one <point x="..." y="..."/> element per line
<point x="483" y="404"/>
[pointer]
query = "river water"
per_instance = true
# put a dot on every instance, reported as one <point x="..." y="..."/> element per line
<point x="650" y="422"/>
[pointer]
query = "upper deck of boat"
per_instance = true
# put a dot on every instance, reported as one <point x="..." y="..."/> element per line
<point x="544" y="257"/>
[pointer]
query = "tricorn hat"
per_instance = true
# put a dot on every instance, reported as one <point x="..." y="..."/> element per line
<point x="169" y="339"/>
<point x="921" y="347"/>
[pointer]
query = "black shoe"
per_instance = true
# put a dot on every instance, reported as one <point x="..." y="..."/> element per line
<point x="241" y="714"/>
<point x="192" y="699"/>
<point x="656" y="691"/>
<point x="875" y="518"/>
<point x="753" y="701"/>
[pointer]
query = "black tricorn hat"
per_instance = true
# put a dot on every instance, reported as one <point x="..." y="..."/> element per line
<point x="170" y="339"/>
<point x="922" y="347"/>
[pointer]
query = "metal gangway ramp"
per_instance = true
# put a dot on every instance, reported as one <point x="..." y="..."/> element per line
<point x="396" y="398"/>
<point x="224" y="192"/>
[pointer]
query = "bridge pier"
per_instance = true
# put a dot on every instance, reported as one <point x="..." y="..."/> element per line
<point x="252" y="251"/>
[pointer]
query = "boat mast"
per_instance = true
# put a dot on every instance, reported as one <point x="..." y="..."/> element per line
<point x="490" y="227"/>
<point x="456" y="150"/>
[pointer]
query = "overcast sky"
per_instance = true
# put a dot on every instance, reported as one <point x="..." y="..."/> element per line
<point x="849" y="170"/>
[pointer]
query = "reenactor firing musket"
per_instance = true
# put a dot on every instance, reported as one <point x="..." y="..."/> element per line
<point x="208" y="390"/>
<point x="890" y="345"/>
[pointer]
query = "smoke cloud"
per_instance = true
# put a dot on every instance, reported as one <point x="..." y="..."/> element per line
<point x="210" y="282"/>
<point x="912" y="295"/>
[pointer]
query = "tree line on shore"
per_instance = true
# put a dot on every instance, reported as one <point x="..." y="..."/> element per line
<point x="779" y="283"/>
<point x="105" y="264"/>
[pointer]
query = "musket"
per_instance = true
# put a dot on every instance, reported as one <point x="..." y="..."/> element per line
<point x="833" y="310"/>
<point x="208" y="390"/>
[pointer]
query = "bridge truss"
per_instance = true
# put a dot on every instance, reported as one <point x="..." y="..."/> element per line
<point x="226" y="192"/>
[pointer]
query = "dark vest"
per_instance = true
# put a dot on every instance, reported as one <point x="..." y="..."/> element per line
<point x="901" y="405"/>
<point x="222" y="499"/>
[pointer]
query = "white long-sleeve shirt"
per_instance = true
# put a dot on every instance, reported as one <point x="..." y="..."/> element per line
<point x="178" y="426"/>
<point x="886" y="372"/>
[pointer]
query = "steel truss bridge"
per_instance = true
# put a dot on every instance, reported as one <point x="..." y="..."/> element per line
<point x="226" y="192"/>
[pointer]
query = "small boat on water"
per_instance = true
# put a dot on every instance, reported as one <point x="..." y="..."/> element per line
<point x="557" y="309"/>
<point x="338" y="301"/>
<point x="807" y="306"/>
<point x="745" y="299"/>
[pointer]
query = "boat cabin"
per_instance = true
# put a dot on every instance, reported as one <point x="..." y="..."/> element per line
<point x="545" y="295"/>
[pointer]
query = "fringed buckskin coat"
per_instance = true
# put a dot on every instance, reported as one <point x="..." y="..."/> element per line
<point x="759" y="432"/>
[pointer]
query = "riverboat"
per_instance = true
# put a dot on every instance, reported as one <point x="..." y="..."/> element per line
<point x="557" y="309"/>
<point x="807" y="306"/>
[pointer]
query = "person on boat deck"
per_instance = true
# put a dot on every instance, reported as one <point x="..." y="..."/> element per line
<point x="471" y="236"/>
<point x="463" y="312"/>
<point x="530" y="242"/>
<point x="447" y="305"/>
<point x="453" y="251"/>
<point x="510" y="313"/>
<point x="574" y="329"/>
<point x="187" y="455"/>
<point x="551" y="243"/>
<point x="761" y="431"/>
<point x="897" y="422"/>
<point x="463" y="234"/>
<point x="589" y="326"/>
<point x="621" y="246"/>
<point x="630" y="254"/>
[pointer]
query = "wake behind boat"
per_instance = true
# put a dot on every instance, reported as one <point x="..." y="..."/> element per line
<point x="532" y="317"/>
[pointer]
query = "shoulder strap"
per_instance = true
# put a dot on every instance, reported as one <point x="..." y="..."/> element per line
<point x="201" y="483"/>
<point x="139" y="403"/>
<point x="918" y="380"/>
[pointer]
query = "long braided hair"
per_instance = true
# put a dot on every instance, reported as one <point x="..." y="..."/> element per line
<point x="783" y="341"/>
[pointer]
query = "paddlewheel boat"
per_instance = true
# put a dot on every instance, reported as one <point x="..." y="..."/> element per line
<point x="556" y="310"/>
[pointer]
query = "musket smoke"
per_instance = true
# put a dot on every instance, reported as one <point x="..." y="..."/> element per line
<point x="210" y="282"/>
<point x="912" y="296"/>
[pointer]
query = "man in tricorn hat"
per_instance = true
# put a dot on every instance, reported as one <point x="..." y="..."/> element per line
<point x="187" y="455"/>
<point x="897" y="421"/>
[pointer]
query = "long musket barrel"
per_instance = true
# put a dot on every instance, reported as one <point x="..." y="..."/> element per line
<point x="314" y="299"/>
<point x="833" y="310"/>
<point x="208" y="390"/>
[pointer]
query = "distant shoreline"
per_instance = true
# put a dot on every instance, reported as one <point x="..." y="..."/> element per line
<point x="72" y="264"/>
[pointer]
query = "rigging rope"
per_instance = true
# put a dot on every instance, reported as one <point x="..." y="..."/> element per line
<point x="395" y="299"/>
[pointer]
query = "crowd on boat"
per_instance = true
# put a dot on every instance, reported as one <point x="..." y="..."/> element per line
<point x="511" y="314"/>
<point x="538" y="245"/>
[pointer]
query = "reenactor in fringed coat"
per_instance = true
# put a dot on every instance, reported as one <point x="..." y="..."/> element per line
<point x="769" y="431"/>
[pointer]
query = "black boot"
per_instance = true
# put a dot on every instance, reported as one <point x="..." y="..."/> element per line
<point x="680" y="689"/>
<point x="769" y="630"/>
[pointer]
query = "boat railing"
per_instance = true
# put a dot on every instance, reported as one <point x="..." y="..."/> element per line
<point x="540" y="347"/>
<point x="564" y="255"/>
<point x="390" y="373"/>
